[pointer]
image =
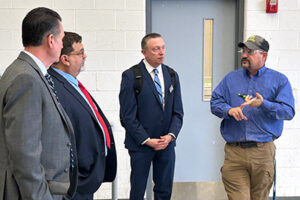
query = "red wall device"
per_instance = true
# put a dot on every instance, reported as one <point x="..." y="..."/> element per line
<point x="272" y="6"/>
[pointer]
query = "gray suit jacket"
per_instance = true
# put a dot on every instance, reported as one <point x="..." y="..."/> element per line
<point x="35" y="135"/>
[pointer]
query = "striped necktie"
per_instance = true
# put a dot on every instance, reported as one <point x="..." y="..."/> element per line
<point x="158" y="85"/>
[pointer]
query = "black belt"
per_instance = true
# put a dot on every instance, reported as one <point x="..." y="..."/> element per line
<point x="247" y="144"/>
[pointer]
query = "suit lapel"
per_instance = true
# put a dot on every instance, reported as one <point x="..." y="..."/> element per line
<point x="167" y="82"/>
<point x="72" y="91"/>
<point x="148" y="80"/>
<point x="30" y="61"/>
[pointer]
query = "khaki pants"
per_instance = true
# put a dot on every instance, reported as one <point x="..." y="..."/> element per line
<point x="248" y="173"/>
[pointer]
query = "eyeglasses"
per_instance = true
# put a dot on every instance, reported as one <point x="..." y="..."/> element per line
<point x="250" y="51"/>
<point x="80" y="53"/>
<point x="157" y="49"/>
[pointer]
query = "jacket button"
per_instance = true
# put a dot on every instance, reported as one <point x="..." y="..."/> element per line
<point x="66" y="170"/>
<point x="69" y="144"/>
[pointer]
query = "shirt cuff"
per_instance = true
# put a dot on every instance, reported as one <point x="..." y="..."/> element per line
<point x="267" y="105"/>
<point x="173" y="136"/>
<point x="225" y="114"/>
<point x="145" y="141"/>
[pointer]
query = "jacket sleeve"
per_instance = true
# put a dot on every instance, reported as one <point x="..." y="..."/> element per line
<point x="177" y="113"/>
<point x="128" y="109"/>
<point x="22" y="114"/>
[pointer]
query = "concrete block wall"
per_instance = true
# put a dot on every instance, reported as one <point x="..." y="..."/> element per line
<point x="112" y="30"/>
<point x="282" y="30"/>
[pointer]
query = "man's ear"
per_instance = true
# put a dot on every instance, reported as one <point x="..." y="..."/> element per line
<point x="50" y="40"/>
<point x="265" y="54"/>
<point x="65" y="60"/>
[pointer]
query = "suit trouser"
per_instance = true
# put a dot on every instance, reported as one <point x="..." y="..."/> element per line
<point x="163" y="173"/>
<point x="248" y="173"/>
<point x="79" y="196"/>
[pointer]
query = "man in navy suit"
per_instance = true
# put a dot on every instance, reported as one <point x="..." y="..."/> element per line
<point x="96" y="150"/>
<point x="152" y="119"/>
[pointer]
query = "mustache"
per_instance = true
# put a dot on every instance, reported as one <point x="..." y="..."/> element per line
<point x="245" y="59"/>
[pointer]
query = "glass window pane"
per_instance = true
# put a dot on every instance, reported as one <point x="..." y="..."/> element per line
<point x="207" y="63"/>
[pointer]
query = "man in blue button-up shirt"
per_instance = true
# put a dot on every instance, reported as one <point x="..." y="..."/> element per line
<point x="253" y="102"/>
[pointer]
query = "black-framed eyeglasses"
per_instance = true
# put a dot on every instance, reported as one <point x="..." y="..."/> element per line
<point x="80" y="53"/>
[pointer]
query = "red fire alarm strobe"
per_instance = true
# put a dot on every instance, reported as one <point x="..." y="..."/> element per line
<point x="272" y="6"/>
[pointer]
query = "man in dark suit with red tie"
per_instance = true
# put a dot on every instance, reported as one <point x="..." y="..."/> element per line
<point x="94" y="140"/>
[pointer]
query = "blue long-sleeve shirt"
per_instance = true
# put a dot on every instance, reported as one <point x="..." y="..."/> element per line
<point x="265" y="123"/>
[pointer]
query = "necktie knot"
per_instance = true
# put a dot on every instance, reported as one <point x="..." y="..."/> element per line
<point x="80" y="85"/>
<point x="155" y="71"/>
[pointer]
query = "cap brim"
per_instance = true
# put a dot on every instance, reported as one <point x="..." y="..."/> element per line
<point x="241" y="44"/>
<point x="249" y="45"/>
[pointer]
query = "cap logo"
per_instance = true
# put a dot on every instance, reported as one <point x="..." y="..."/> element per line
<point x="252" y="38"/>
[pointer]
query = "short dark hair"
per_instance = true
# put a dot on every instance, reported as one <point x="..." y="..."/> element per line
<point x="147" y="37"/>
<point x="68" y="41"/>
<point x="39" y="23"/>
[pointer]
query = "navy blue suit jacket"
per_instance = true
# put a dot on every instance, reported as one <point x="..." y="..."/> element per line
<point x="94" y="168"/>
<point x="142" y="115"/>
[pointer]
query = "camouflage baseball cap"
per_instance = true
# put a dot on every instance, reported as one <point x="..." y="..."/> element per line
<point x="255" y="42"/>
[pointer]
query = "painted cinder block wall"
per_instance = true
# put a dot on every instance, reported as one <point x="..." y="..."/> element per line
<point x="282" y="30"/>
<point x="112" y="30"/>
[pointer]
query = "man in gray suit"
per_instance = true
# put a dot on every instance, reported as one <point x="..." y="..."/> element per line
<point x="37" y="158"/>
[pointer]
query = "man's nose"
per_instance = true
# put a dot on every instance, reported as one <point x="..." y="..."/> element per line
<point x="162" y="51"/>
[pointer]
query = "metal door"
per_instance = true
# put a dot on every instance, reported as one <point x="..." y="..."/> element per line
<point x="183" y="25"/>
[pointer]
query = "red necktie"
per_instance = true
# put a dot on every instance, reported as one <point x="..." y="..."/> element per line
<point x="87" y="95"/>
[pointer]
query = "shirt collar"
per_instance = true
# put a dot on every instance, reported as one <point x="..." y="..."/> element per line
<point x="67" y="76"/>
<point x="259" y="72"/>
<point x="150" y="68"/>
<point x="38" y="62"/>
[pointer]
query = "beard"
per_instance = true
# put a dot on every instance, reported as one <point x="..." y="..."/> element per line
<point x="249" y="64"/>
<point x="82" y="68"/>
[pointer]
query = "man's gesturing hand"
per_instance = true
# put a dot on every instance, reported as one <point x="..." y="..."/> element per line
<point x="255" y="102"/>
<point x="237" y="113"/>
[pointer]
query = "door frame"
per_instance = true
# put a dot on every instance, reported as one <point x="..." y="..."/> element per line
<point x="239" y="36"/>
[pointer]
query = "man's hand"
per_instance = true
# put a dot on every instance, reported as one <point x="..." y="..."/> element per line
<point x="156" y="144"/>
<point x="237" y="113"/>
<point x="255" y="102"/>
<point x="159" y="144"/>
<point x="166" y="139"/>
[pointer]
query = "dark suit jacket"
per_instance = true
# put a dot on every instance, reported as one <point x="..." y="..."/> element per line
<point x="94" y="167"/>
<point x="35" y="136"/>
<point x="143" y="116"/>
